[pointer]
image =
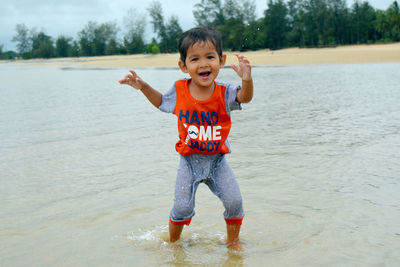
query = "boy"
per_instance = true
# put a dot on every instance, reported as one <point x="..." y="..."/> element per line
<point x="203" y="109"/>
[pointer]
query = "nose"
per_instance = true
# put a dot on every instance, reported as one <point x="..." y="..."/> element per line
<point x="204" y="62"/>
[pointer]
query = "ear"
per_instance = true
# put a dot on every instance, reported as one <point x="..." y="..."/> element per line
<point x="222" y="60"/>
<point x="182" y="66"/>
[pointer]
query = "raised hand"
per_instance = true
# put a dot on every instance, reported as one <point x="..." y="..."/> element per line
<point x="133" y="80"/>
<point x="243" y="69"/>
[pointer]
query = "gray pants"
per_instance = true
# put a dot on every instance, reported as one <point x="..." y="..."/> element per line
<point x="214" y="171"/>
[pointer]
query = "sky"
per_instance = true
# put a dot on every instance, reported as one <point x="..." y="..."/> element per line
<point x="67" y="18"/>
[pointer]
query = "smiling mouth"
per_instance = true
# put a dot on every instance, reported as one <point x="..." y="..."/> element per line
<point x="205" y="74"/>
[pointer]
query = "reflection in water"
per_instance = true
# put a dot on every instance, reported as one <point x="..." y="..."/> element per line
<point x="233" y="258"/>
<point x="181" y="258"/>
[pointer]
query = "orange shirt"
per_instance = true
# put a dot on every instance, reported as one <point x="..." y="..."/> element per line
<point x="203" y="126"/>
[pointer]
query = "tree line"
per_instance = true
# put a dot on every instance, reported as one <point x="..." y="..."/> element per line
<point x="291" y="23"/>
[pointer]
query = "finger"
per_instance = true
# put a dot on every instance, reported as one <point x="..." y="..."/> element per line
<point x="124" y="81"/>
<point x="126" y="77"/>
<point x="240" y="57"/>
<point x="235" y="67"/>
<point x="133" y="73"/>
<point x="245" y="60"/>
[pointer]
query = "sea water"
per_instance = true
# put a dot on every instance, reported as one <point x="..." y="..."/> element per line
<point x="87" y="169"/>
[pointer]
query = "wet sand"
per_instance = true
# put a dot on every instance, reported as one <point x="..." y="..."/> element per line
<point x="290" y="56"/>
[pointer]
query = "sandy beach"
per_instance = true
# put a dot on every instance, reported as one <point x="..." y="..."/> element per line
<point x="290" y="56"/>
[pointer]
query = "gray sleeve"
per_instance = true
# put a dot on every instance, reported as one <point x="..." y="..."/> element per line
<point x="168" y="101"/>
<point x="230" y="98"/>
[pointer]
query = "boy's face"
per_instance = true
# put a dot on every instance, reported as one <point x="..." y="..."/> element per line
<point x="203" y="64"/>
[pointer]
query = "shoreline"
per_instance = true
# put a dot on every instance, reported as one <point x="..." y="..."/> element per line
<point x="376" y="53"/>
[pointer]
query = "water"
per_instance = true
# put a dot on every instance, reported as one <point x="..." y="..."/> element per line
<point x="87" y="170"/>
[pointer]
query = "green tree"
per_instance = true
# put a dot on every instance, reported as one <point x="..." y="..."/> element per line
<point x="157" y="20"/>
<point x="112" y="47"/>
<point x="86" y="37"/>
<point x="74" y="49"/>
<point x="1" y="52"/>
<point x="382" y="26"/>
<point x="173" y="32"/>
<point x="168" y="34"/>
<point x="315" y="21"/>
<point x="42" y="45"/>
<point x="234" y="19"/>
<point x="338" y="21"/>
<point x="252" y="35"/>
<point x="134" y="44"/>
<point x="232" y="34"/>
<point x="152" y="48"/>
<point x="209" y="13"/>
<point x="233" y="31"/>
<point x="276" y="24"/>
<point x="95" y="38"/>
<point x="362" y="23"/>
<point x="393" y="14"/>
<point x="63" y="46"/>
<point x="296" y="34"/>
<point x="6" y="55"/>
<point x="249" y="11"/>
<point x="23" y="40"/>
<point x="135" y="24"/>
<point x="232" y="10"/>
<point x="105" y="36"/>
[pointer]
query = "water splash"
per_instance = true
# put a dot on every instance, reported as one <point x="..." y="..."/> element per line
<point x="157" y="236"/>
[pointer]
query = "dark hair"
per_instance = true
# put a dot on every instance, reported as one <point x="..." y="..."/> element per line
<point x="199" y="34"/>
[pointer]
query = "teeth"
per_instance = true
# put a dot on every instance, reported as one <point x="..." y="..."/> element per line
<point x="204" y="73"/>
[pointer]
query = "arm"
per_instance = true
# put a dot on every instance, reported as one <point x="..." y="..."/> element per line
<point x="136" y="82"/>
<point x="243" y="69"/>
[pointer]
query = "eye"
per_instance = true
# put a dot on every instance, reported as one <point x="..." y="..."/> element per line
<point x="210" y="57"/>
<point x="194" y="59"/>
